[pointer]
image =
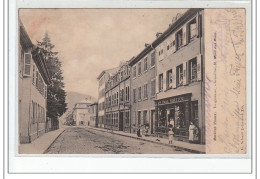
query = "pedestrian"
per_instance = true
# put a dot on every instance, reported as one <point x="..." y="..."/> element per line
<point x="170" y="135"/>
<point x="193" y="133"/>
<point x="138" y="132"/>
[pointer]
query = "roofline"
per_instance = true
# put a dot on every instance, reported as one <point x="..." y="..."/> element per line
<point x="165" y="34"/>
<point x="24" y="37"/>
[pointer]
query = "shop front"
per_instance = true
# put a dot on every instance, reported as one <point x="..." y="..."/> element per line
<point x="176" y="113"/>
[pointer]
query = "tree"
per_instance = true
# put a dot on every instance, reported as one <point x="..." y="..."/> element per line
<point x="56" y="95"/>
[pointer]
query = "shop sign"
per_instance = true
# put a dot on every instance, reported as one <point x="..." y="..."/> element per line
<point x="177" y="99"/>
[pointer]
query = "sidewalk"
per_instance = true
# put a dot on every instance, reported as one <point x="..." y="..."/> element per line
<point x="41" y="144"/>
<point x="194" y="148"/>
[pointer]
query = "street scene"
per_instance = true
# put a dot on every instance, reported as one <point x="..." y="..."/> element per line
<point x="88" y="141"/>
<point x="92" y="82"/>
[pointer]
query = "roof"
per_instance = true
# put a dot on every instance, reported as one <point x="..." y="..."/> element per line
<point x="110" y="71"/>
<point x="39" y="60"/>
<point x="180" y="21"/>
<point x="85" y="101"/>
<point x="24" y="37"/>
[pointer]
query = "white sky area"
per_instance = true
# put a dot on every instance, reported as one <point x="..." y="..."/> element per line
<point x="92" y="40"/>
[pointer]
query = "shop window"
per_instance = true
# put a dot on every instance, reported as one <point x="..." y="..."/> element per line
<point x="139" y="68"/>
<point x="152" y="59"/>
<point x="153" y="88"/>
<point x="160" y="82"/>
<point x="180" y="75"/>
<point x="145" y="91"/>
<point x="192" y="30"/>
<point x="134" y="71"/>
<point x="180" y="122"/>
<point x="139" y="93"/>
<point x="134" y="95"/>
<point x="193" y="70"/>
<point x="162" y="120"/>
<point x="145" y="64"/>
<point x="195" y="114"/>
<point x="179" y="39"/>
<point x="169" y="79"/>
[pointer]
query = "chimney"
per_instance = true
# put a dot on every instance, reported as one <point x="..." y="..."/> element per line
<point x="158" y="34"/>
<point x="146" y="45"/>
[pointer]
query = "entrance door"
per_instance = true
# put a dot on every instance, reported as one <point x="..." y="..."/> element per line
<point x="121" y="118"/>
<point x="152" y="121"/>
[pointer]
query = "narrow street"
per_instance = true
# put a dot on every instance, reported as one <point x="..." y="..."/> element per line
<point x="76" y="140"/>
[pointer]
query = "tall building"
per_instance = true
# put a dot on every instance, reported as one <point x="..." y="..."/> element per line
<point x="179" y="76"/>
<point x="117" y="100"/>
<point x="102" y="79"/>
<point x="143" y="76"/>
<point x="94" y="114"/>
<point x="33" y="78"/>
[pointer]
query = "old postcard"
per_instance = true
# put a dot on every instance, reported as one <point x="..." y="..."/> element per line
<point x="131" y="81"/>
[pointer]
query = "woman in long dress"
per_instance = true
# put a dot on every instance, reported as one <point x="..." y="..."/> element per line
<point x="193" y="133"/>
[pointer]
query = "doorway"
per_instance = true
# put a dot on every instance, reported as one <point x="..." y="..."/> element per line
<point x="152" y="121"/>
<point x="121" y="116"/>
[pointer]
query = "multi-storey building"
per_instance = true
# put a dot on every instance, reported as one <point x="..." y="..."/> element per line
<point x="33" y="78"/>
<point x="143" y="77"/>
<point x="82" y="112"/>
<point x="102" y="79"/>
<point x="180" y="73"/>
<point x="117" y="95"/>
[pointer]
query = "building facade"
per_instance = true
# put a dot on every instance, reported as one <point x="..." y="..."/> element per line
<point x="180" y="73"/>
<point x="102" y="79"/>
<point x="143" y="80"/>
<point x="33" y="78"/>
<point x="82" y="112"/>
<point x="93" y="114"/>
<point x="117" y="97"/>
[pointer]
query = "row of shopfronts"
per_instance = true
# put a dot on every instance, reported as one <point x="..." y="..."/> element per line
<point x="161" y="88"/>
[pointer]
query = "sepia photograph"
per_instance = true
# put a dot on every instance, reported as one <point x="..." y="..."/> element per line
<point x="131" y="81"/>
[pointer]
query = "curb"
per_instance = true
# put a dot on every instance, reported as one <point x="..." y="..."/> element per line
<point x="173" y="146"/>
<point x="44" y="152"/>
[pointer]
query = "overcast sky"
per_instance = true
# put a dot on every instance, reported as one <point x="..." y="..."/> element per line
<point x="91" y="40"/>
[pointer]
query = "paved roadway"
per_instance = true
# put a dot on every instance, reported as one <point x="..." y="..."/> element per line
<point x="76" y="140"/>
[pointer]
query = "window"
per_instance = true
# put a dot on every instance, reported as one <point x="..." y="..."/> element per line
<point x="33" y="78"/>
<point x="139" y="93"/>
<point x="37" y="79"/>
<point x="139" y="68"/>
<point x="179" y="75"/>
<point x="27" y="64"/>
<point x="152" y="59"/>
<point x="192" y="29"/>
<point x="127" y="93"/>
<point x="145" y="91"/>
<point x="169" y="79"/>
<point x="161" y="82"/>
<point x="116" y="97"/>
<point x="134" y="71"/>
<point x="134" y="95"/>
<point x="153" y="88"/>
<point x="179" y="39"/>
<point x="139" y="117"/>
<point x="193" y="70"/>
<point x="145" y="64"/>
<point x="161" y="52"/>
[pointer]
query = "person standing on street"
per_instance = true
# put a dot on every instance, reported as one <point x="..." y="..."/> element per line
<point x="170" y="135"/>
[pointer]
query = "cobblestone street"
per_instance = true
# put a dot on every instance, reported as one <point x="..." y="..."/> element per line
<point x="76" y="140"/>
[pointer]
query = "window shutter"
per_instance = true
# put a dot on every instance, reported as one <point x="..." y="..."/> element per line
<point x="164" y="80"/>
<point x="173" y="43"/>
<point x="199" y="63"/>
<point x="197" y="25"/>
<point x="174" y="77"/>
<point x="27" y="64"/>
<point x="184" y="31"/>
<point x="157" y="84"/>
<point x="185" y="75"/>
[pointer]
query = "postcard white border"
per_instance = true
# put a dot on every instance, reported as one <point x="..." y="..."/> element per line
<point x="144" y="163"/>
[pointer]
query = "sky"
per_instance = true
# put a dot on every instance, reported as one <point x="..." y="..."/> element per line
<point x="92" y="40"/>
